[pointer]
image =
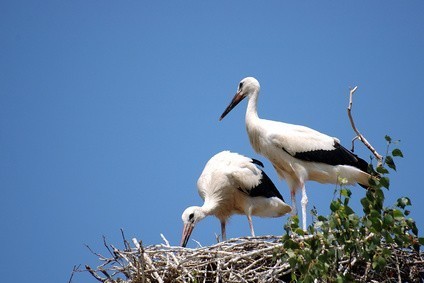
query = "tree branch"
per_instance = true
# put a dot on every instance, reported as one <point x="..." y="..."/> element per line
<point x="359" y="136"/>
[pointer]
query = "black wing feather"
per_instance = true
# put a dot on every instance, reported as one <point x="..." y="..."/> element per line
<point x="338" y="156"/>
<point x="257" y="162"/>
<point x="265" y="188"/>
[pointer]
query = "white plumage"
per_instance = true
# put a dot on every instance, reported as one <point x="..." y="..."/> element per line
<point x="233" y="184"/>
<point x="297" y="153"/>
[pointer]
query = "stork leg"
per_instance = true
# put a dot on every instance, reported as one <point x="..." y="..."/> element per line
<point x="223" y="234"/>
<point x="304" y="202"/>
<point x="249" y="218"/>
<point x="293" y="200"/>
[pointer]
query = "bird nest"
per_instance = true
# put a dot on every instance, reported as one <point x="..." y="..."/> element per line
<point x="247" y="259"/>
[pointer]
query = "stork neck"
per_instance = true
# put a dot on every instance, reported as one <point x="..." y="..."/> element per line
<point x="251" y="111"/>
<point x="209" y="207"/>
<point x="253" y="123"/>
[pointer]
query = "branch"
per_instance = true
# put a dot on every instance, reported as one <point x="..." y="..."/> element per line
<point x="359" y="136"/>
<point x="94" y="274"/>
<point x="75" y="269"/>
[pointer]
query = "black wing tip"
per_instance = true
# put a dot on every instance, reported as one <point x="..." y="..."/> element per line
<point x="338" y="156"/>
<point x="266" y="188"/>
<point x="257" y="162"/>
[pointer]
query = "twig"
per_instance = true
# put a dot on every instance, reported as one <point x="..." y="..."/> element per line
<point x="75" y="269"/>
<point x="94" y="253"/>
<point x="94" y="274"/>
<point x="140" y="249"/>
<point x="106" y="245"/>
<point x="165" y="240"/>
<point x="126" y="243"/>
<point x="197" y="242"/>
<point x="358" y="134"/>
<point x="398" y="269"/>
<point x="148" y="261"/>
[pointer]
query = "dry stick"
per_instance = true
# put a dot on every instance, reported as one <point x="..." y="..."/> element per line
<point x="122" y="255"/>
<point x="366" y="271"/>
<point x="105" y="273"/>
<point x="94" y="274"/>
<point x="358" y="134"/>
<point x="172" y="254"/>
<point x="126" y="243"/>
<point x="96" y="254"/>
<point x="140" y="249"/>
<point x="75" y="269"/>
<point x="148" y="261"/>
<point x="398" y="269"/>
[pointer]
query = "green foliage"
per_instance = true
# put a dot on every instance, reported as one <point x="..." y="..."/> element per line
<point x="344" y="236"/>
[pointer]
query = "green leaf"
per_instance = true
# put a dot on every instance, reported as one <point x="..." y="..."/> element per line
<point x="415" y="230"/>
<point x="412" y="225"/>
<point x="379" y="195"/>
<point x="345" y="192"/>
<point x="380" y="169"/>
<point x="349" y="210"/>
<point x="299" y="231"/>
<point x="334" y="206"/>
<point x="403" y="202"/>
<point x="366" y="205"/>
<point x="308" y="279"/>
<point x="398" y="215"/>
<point x="291" y="245"/>
<point x="388" y="138"/>
<point x="376" y="223"/>
<point x="385" y="182"/>
<point x="390" y="162"/>
<point x="397" y="152"/>
<point x="293" y="262"/>
<point x="378" y="262"/>
<point x="421" y="240"/>
<point x="322" y="218"/>
<point x="388" y="220"/>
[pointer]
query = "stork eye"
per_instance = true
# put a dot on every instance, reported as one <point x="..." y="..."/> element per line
<point x="240" y="85"/>
<point x="190" y="217"/>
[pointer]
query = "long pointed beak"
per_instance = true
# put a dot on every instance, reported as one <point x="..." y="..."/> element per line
<point x="187" y="229"/>
<point x="236" y="100"/>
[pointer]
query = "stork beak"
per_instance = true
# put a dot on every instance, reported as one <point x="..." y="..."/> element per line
<point x="236" y="100"/>
<point x="187" y="229"/>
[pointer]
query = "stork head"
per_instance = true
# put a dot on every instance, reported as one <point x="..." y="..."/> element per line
<point x="190" y="217"/>
<point x="247" y="86"/>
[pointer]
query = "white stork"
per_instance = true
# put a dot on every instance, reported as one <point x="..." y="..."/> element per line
<point x="233" y="184"/>
<point x="297" y="153"/>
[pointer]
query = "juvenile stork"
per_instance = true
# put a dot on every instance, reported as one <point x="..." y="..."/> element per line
<point x="233" y="184"/>
<point x="297" y="153"/>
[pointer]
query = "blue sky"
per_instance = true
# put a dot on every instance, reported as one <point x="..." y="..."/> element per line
<point x="109" y="111"/>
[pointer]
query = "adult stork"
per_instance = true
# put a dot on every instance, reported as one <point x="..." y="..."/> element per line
<point x="297" y="153"/>
<point x="233" y="184"/>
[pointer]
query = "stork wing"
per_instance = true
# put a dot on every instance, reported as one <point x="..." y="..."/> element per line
<point x="266" y="188"/>
<point x="294" y="139"/>
<point x="255" y="182"/>
<point x="310" y="145"/>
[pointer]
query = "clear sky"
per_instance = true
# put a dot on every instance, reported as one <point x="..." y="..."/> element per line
<point x="109" y="111"/>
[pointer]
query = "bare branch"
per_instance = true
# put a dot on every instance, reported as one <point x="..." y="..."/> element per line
<point x="94" y="274"/>
<point x="355" y="129"/>
<point x="126" y="243"/>
<point x="74" y="270"/>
